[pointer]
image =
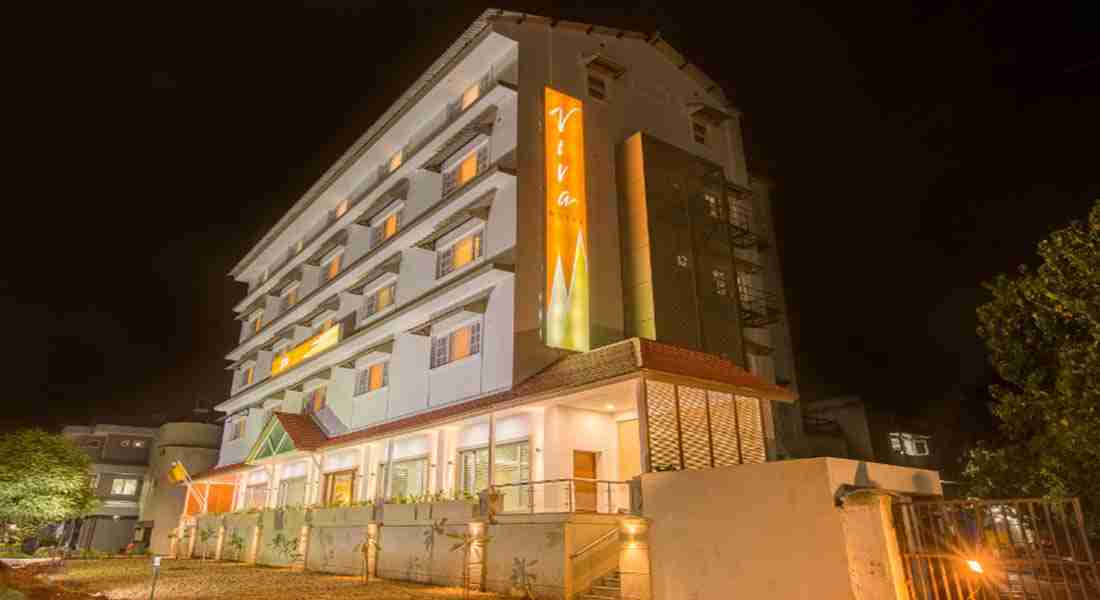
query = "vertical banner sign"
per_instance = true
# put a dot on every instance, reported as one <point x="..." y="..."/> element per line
<point x="566" y="224"/>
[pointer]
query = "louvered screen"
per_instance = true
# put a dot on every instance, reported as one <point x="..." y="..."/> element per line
<point x="723" y="429"/>
<point x="751" y="430"/>
<point x="694" y="429"/>
<point x="664" y="443"/>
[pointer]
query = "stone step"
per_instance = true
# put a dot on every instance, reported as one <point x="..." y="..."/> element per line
<point x="600" y="597"/>
<point x="607" y="589"/>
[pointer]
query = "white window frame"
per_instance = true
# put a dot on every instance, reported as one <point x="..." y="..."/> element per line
<point x="255" y="321"/>
<point x="451" y="165"/>
<point x="362" y="375"/>
<point x="447" y="249"/>
<point x="243" y="374"/>
<point x="367" y="314"/>
<point x="377" y="235"/>
<point x="126" y="481"/>
<point x="285" y="294"/>
<point x="327" y="260"/>
<point x="235" y="434"/>
<point x="477" y="342"/>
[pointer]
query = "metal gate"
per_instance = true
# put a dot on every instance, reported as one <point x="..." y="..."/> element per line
<point x="996" y="549"/>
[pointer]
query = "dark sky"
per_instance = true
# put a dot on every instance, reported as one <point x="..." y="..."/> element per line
<point x="919" y="151"/>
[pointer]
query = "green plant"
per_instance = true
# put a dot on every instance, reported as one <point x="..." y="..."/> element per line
<point x="287" y="547"/>
<point x="235" y="543"/>
<point x="43" y="479"/>
<point x="204" y="536"/>
<point x="522" y="577"/>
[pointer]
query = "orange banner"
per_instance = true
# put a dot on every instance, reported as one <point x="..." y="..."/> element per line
<point x="314" y="345"/>
<point x="566" y="224"/>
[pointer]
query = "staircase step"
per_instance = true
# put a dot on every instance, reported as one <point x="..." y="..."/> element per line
<point x="600" y="597"/>
<point x="606" y="589"/>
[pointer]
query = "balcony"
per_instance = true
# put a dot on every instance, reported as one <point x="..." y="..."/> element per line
<point x="744" y="231"/>
<point x="565" y="496"/>
<point x="758" y="307"/>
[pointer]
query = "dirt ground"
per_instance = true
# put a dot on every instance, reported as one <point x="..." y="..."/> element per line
<point x="129" y="579"/>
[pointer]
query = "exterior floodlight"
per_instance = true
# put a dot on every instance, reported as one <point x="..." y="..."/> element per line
<point x="975" y="566"/>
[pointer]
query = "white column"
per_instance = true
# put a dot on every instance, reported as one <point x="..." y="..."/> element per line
<point x="370" y="492"/>
<point x="435" y="482"/>
<point x="364" y="472"/>
<point x="313" y="480"/>
<point x="272" y="485"/>
<point x="389" y="469"/>
<point x="492" y="448"/>
<point x="449" y="468"/>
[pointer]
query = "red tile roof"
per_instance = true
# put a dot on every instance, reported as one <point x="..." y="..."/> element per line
<point x="216" y="471"/>
<point x="303" y="430"/>
<point x="700" y="365"/>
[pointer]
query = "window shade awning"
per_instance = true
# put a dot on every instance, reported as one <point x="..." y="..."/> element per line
<point x="480" y="125"/>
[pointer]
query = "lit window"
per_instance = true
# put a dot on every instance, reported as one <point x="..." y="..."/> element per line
<point x="910" y="444"/>
<point x="409" y="477"/>
<point x="466" y="169"/>
<point x="290" y="295"/>
<point x="256" y="320"/>
<point x="124" y="487"/>
<point x="339" y="488"/>
<point x="714" y="209"/>
<point x="456" y="345"/>
<point x="396" y="160"/>
<point x="323" y="325"/>
<point x="459" y="254"/>
<point x="341" y="208"/>
<point x="247" y="374"/>
<point x="139" y="443"/>
<point x="740" y="214"/>
<point x="332" y="264"/>
<point x="255" y="496"/>
<point x="699" y="131"/>
<point x="386" y="228"/>
<point x="597" y="87"/>
<point x="379" y="300"/>
<point x="299" y="246"/>
<point x="470" y="96"/>
<point x="720" y="282"/>
<point x="315" y="400"/>
<point x="372" y="378"/>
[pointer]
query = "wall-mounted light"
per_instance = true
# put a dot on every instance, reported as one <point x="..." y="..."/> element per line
<point x="975" y="566"/>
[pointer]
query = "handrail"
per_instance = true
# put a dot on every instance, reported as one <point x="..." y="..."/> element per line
<point x="596" y="542"/>
<point x="562" y="480"/>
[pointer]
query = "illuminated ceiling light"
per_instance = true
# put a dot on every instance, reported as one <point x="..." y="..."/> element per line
<point x="975" y="566"/>
<point x="610" y="407"/>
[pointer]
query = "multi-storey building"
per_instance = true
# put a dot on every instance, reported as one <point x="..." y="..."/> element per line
<point x="546" y="262"/>
<point x="120" y="459"/>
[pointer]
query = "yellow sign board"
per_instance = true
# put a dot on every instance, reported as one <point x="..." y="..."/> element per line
<point x="314" y="345"/>
<point x="566" y="224"/>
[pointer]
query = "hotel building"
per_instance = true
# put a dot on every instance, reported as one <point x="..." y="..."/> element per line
<point x="545" y="269"/>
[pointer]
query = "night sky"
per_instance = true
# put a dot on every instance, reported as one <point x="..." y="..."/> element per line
<point x="918" y="152"/>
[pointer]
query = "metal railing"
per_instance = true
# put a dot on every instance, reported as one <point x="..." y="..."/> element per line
<point x="576" y="495"/>
<point x="996" y="549"/>
<point x="758" y="307"/>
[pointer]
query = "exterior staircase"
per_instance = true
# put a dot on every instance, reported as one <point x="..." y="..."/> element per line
<point x="608" y="587"/>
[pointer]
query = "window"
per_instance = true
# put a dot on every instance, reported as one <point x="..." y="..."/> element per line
<point x="139" y="443"/>
<point x="597" y="87"/>
<point x="910" y="444"/>
<point x="247" y="375"/>
<point x="315" y="400"/>
<point x="332" y="264"/>
<point x="322" y="325"/>
<point x="339" y="488"/>
<point x="124" y="487"/>
<point x="681" y="260"/>
<point x="714" y="209"/>
<point x="372" y="378"/>
<point x="720" y="282"/>
<point x="740" y="214"/>
<point x="409" y="477"/>
<point x="255" y="496"/>
<point x="396" y="160"/>
<point x="386" y="228"/>
<point x="341" y="209"/>
<point x="513" y="466"/>
<point x="299" y="246"/>
<point x="379" y="300"/>
<point x="459" y="254"/>
<point x="236" y="428"/>
<point x="292" y="492"/>
<point x="466" y="169"/>
<point x="470" y="96"/>
<point x="456" y="345"/>
<point x="256" y="320"/>
<point x="290" y="295"/>
<point x="699" y="131"/>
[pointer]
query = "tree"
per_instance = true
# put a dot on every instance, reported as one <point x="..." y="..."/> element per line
<point x="1042" y="330"/>
<point x="43" y="479"/>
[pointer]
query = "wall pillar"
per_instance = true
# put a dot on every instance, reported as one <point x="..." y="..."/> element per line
<point x="634" y="558"/>
<point x="191" y="539"/>
<point x="257" y="536"/>
<point x="875" y="567"/>
<point x="303" y="541"/>
<point x="370" y="552"/>
<point x="220" y="540"/>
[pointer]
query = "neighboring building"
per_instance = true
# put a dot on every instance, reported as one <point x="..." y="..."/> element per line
<point x="845" y="427"/>
<point x="120" y="460"/>
<point x="547" y="261"/>
<point x="129" y="473"/>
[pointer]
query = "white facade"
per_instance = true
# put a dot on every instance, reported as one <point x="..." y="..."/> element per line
<point x="423" y="248"/>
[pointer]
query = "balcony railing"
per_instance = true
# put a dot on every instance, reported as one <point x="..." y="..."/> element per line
<point x="577" y="495"/>
<point x="758" y="307"/>
<point x="744" y="232"/>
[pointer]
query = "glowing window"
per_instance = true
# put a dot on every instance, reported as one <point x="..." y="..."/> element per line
<point x="379" y="300"/>
<point x="341" y="208"/>
<point x="459" y="254"/>
<point x="332" y="265"/>
<point x="470" y="96"/>
<point x="372" y="378"/>
<point x="315" y="400"/>
<point x="396" y="160"/>
<point x="247" y="374"/>
<point x="256" y="320"/>
<point x="720" y="282"/>
<point x="339" y="488"/>
<point x="124" y="487"/>
<point x="456" y="345"/>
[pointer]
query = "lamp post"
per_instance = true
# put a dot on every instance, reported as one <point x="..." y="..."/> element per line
<point x="156" y="571"/>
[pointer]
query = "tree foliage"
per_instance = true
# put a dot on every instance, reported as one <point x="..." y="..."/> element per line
<point x="1042" y="330"/>
<point x="43" y="479"/>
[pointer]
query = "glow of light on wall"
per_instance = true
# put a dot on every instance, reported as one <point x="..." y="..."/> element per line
<point x="566" y="224"/>
<point x="314" y="345"/>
